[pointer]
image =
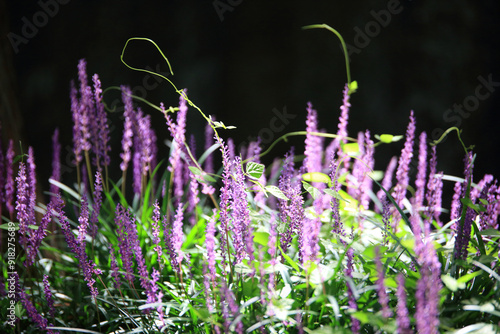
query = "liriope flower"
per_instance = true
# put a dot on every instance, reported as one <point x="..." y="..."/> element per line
<point x="402" y="173"/>
<point x="9" y="179"/>
<point x="56" y="163"/>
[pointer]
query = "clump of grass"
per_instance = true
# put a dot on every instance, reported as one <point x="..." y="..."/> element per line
<point x="319" y="244"/>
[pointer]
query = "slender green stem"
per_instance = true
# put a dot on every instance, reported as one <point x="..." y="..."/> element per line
<point x="298" y="133"/>
<point x="454" y="128"/>
<point x="352" y="86"/>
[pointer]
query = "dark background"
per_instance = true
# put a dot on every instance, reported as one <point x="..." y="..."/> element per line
<point x="257" y="58"/>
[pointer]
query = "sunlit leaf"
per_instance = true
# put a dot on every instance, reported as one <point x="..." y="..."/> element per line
<point x="316" y="177"/>
<point x="289" y="260"/>
<point x="351" y="149"/>
<point x="315" y="192"/>
<point x="276" y="192"/>
<point x="490" y="232"/>
<point x="261" y="238"/>
<point x="452" y="283"/>
<point x="335" y="194"/>
<point x="476" y="207"/>
<point x="353" y="87"/>
<point x="254" y="170"/>
<point x="195" y="170"/>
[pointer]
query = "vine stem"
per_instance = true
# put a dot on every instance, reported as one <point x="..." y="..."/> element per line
<point x="352" y="85"/>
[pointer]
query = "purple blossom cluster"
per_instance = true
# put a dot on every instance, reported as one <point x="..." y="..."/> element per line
<point x="90" y="123"/>
<point x="78" y="245"/>
<point x="178" y="166"/>
<point x="30" y="238"/>
<point x="130" y="250"/>
<point x="402" y="173"/>
<point x="138" y="144"/>
<point x="291" y="211"/>
<point x="33" y="313"/>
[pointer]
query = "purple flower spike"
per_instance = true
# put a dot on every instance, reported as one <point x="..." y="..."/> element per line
<point x="83" y="221"/>
<point x="427" y="294"/>
<point x="94" y="219"/>
<point x="290" y="212"/>
<point x="155" y="222"/>
<point x="344" y="116"/>
<point x="56" y="163"/>
<point x="355" y="323"/>
<point x="128" y="128"/>
<point x="9" y="180"/>
<point x="242" y="230"/>
<point x="490" y="193"/>
<point x="178" y="132"/>
<point x="402" y="173"/>
<point x="387" y="180"/>
<point x="338" y="227"/>
<point x="114" y="268"/>
<point x="422" y="170"/>
<point x="210" y="243"/>
<point x="36" y="239"/>
<point x="313" y="144"/>
<point x="463" y="226"/>
<point x="193" y="198"/>
<point x="23" y="204"/>
<point x="83" y="113"/>
<point x="33" y="313"/>
<point x="174" y="238"/>
<point x="225" y="198"/>
<point x="402" y="316"/>
<point x="48" y="296"/>
<point x="86" y="265"/>
<point x="2" y="176"/>
<point x="434" y="190"/>
<point x="386" y="219"/>
<point x="75" y="110"/>
<point x="209" y="141"/>
<point x="455" y="203"/>
<point x="122" y="221"/>
<point x="102" y="150"/>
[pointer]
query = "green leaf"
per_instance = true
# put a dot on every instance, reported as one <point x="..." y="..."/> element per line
<point x="289" y="260"/>
<point x="195" y="170"/>
<point x="351" y="149"/>
<point x="315" y="192"/>
<point x="276" y="192"/>
<point x="6" y="226"/>
<point x="385" y="138"/>
<point x="364" y="317"/>
<point x="490" y="232"/>
<point x="468" y="202"/>
<point x="335" y="194"/>
<point x="353" y="87"/>
<point x="316" y="177"/>
<point x="208" y="178"/>
<point x="222" y="125"/>
<point x="254" y="170"/>
<point x="261" y="238"/>
<point x="483" y="201"/>
<point x="452" y="283"/>
<point x="377" y="175"/>
<point x="467" y="277"/>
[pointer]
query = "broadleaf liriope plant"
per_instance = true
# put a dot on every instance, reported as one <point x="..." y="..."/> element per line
<point x="322" y="244"/>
